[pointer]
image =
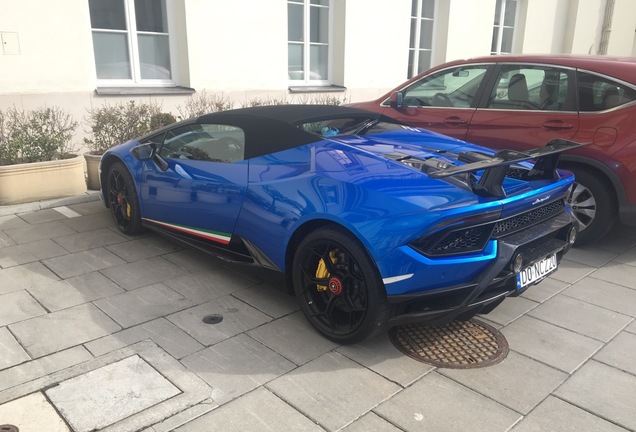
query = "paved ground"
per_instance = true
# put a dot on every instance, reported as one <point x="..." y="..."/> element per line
<point x="103" y="331"/>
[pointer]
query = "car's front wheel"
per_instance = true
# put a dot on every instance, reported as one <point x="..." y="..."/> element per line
<point x="593" y="205"/>
<point x="338" y="286"/>
<point x="122" y="199"/>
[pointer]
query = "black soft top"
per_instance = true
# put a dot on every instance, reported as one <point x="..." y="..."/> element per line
<point x="272" y="128"/>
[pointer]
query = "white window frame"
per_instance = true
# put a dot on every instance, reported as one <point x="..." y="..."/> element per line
<point x="500" y="27"/>
<point x="418" y="30"/>
<point x="133" y="50"/>
<point x="307" y="44"/>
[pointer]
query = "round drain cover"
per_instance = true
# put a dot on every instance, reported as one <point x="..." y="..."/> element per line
<point x="458" y="345"/>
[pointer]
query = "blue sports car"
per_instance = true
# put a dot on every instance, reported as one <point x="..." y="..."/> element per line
<point x="374" y="223"/>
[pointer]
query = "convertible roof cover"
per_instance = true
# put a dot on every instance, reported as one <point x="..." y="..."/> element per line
<point x="273" y="128"/>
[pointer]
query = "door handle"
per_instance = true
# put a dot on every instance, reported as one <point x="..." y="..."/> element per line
<point x="455" y="121"/>
<point x="557" y="124"/>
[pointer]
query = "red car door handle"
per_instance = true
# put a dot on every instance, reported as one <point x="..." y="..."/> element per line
<point x="455" y="121"/>
<point x="556" y="124"/>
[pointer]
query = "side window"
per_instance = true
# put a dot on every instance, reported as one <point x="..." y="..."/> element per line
<point x="531" y="88"/>
<point x="205" y="142"/>
<point x="598" y="93"/>
<point x="455" y="87"/>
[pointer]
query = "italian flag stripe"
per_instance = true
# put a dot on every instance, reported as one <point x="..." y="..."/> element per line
<point x="216" y="236"/>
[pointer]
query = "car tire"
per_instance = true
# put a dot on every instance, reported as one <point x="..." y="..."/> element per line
<point x="122" y="199"/>
<point x="593" y="205"/>
<point x="338" y="286"/>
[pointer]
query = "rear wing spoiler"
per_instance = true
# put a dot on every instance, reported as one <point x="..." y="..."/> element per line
<point x="496" y="166"/>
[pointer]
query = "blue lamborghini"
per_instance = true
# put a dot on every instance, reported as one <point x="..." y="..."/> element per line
<point x="373" y="223"/>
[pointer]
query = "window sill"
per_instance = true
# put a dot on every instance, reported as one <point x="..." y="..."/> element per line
<point x="317" y="89"/>
<point x="143" y="91"/>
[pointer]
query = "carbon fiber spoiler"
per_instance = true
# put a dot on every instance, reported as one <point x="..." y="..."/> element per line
<point x="496" y="166"/>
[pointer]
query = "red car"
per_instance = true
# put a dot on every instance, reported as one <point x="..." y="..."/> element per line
<point x="527" y="100"/>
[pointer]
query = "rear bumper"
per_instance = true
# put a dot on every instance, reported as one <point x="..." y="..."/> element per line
<point x="490" y="287"/>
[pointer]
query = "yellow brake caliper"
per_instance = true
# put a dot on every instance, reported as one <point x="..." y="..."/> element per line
<point x="322" y="272"/>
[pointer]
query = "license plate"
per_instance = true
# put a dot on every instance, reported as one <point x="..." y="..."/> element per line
<point x="536" y="271"/>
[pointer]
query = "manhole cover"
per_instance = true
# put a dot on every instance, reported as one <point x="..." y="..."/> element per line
<point x="458" y="345"/>
<point x="212" y="319"/>
<point x="9" y="428"/>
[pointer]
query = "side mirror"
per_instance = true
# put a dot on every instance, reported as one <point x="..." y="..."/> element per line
<point x="397" y="99"/>
<point x="144" y="151"/>
<point x="148" y="151"/>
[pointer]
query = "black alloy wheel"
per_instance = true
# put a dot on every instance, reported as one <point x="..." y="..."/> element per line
<point x="122" y="199"/>
<point x="338" y="286"/>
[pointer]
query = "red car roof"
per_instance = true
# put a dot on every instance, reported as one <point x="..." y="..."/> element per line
<point x="623" y="68"/>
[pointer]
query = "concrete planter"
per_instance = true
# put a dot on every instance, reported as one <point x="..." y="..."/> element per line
<point x="92" y="170"/>
<point x="37" y="181"/>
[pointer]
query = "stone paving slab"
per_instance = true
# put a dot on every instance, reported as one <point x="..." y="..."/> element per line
<point x="571" y="339"/>
<point x="89" y="240"/>
<point x="380" y="356"/>
<point x="75" y="291"/>
<point x="502" y="382"/>
<point x="555" y="415"/>
<point x="436" y="403"/>
<point x="169" y="337"/>
<point x="30" y="252"/>
<point x="37" y="370"/>
<point x="604" y="294"/>
<point x="238" y="317"/>
<point x="141" y="273"/>
<point x="332" y="390"/>
<point x="18" y="306"/>
<point x="237" y="366"/>
<point x="83" y="262"/>
<point x="612" y="396"/>
<point x="143" y="304"/>
<point x="257" y="411"/>
<point x="581" y="317"/>
<point x="62" y="329"/>
<point x="24" y="277"/>
<point x="192" y="390"/>
<point x="109" y="394"/>
<point x="294" y="338"/>
<point x="11" y="351"/>
<point x="547" y="343"/>
<point x="33" y="413"/>
<point x="620" y="353"/>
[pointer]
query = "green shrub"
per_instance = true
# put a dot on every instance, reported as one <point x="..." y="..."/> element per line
<point x="160" y="120"/>
<point x="203" y="103"/>
<point x="39" y="135"/>
<point x="109" y="125"/>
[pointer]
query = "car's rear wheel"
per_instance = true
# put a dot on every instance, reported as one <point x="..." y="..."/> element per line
<point x="122" y="199"/>
<point x="339" y="287"/>
<point x="593" y="205"/>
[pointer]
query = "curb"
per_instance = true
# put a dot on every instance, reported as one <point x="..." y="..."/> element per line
<point x="41" y="205"/>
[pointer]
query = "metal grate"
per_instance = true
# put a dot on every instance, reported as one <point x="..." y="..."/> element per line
<point x="458" y="345"/>
<point x="531" y="217"/>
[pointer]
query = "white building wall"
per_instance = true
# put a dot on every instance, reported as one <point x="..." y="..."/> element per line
<point x="586" y="21"/>
<point x="623" y="26"/>
<point x="239" y="47"/>
<point x="470" y="26"/>
<point x="376" y="47"/>
<point x="55" y="46"/>
<point x="545" y="26"/>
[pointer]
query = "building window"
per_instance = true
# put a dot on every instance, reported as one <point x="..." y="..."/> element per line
<point x="308" y="30"/>
<point x="131" y="42"/>
<point x="504" y="29"/>
<point x="421" y="45"/>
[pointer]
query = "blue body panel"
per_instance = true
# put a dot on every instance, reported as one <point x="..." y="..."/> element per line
<point x="348" y="181"/>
